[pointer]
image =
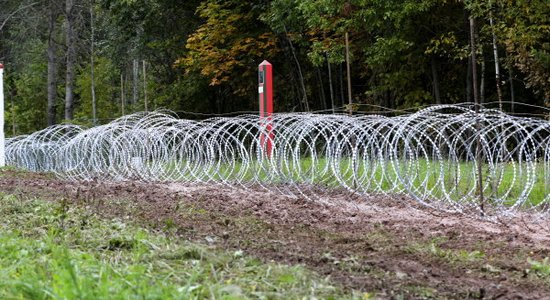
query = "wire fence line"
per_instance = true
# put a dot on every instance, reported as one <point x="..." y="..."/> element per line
<point x="429" y="155"/>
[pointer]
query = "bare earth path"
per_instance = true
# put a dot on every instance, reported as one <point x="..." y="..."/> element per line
<point x="390" y="247"/>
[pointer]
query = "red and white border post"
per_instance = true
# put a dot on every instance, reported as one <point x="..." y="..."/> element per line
<point x="2" y="142"/>
<point x="265" y="90"/>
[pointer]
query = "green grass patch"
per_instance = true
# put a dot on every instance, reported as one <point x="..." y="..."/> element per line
<point x="504" y="183"/>
<point x="541" y="268"/>
<point x="59" y="251"/>
<point x="434" y="249"/>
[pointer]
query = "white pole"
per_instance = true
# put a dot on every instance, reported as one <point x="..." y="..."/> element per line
<point x="2" y="150"/>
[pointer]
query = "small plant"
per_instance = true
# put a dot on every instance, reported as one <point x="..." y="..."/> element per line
<point x="470" y="255"/>
<point x="455" y="256"/>
<point x="9" y="168"/>
<point x="61" y="212"/>
<point x="541" y="268"/>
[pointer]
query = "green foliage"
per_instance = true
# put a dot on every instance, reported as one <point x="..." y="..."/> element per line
<point x="446" y="45"/>
<point x="106" y="91"/>
<point x="229" y="42"/>
<point x="202" y="55"/>
<point x="391" y="42"/>
<point x="541" y="268"/>
<point x="155" y="31"/>
<point x="522" y="27"/>
<point x="26" y="93"/>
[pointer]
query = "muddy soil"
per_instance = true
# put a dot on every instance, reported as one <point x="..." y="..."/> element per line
<point x="386" y="245"/>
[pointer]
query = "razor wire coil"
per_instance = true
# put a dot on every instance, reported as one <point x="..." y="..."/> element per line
<point x="431" y="155"/>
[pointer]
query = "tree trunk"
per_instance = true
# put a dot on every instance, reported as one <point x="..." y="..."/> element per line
<point x="92" y="65"/>
<point x="297" y="100"/>
<point x="322" y="95"/>
<point x="497" y="66"/>
<point x="341" y="76"/>
<point x="350" y="101"/>
<point x="330" y="86"/>
<point x="220" y="100"/>
<point x="122" y="98"/>
<point x="52" y="65"/>
<point x="145" y="88"/>
<point x="435" y="78"/>
<point x="474" y="61"/>
<point x="469" y="80"/>
<point x="305" y="101"/>
<point x="482" y="81"/>
<point x="71" y="57"/>
<point x="13" y="118"/>
<point x="479" y="158"/>
<point x="389" y="100"/>
<point x="135" y="81"/>
<point x="512" y="91"/>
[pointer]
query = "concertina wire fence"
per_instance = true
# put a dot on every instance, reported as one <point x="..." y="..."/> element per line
<point x="431" y="155"/>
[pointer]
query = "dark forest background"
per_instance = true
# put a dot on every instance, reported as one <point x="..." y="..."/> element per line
<point x="90" y="61"/>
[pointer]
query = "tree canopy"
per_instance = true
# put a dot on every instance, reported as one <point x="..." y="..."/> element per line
<point x="201" y="56"/>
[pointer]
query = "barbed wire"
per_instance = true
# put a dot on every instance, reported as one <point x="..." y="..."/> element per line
<point x="429" y="155"/>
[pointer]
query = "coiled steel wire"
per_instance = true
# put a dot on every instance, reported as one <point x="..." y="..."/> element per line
<point x="431" y="155"/>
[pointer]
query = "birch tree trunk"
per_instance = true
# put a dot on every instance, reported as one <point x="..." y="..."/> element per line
<point x="135" y="81"/>
<point x="145" y="88"/>
<point x="497" y="66"/>
<point x="92" y="65"/>
<point x="52" y="64"/>
<point x="71" y="57"/>
<point x="474" y="61"/>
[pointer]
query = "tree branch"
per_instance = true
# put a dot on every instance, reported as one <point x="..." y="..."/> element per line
<point x="15" y="12"/>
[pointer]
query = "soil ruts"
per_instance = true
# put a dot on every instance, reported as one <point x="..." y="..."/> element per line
<point x="386" y="245"/>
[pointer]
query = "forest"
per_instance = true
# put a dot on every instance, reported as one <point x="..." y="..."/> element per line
<point x="90" y="61"/>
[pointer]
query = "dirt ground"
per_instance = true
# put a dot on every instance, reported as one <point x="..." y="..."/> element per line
<point x="389" y="246"/>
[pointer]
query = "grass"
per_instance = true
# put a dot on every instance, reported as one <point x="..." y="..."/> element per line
<point x="59" y="251"/>
<point x="502" y="184"/>
<point x="434" y="249"/>
<point x="541" y="268"/>
<point x="451" y="256"/>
